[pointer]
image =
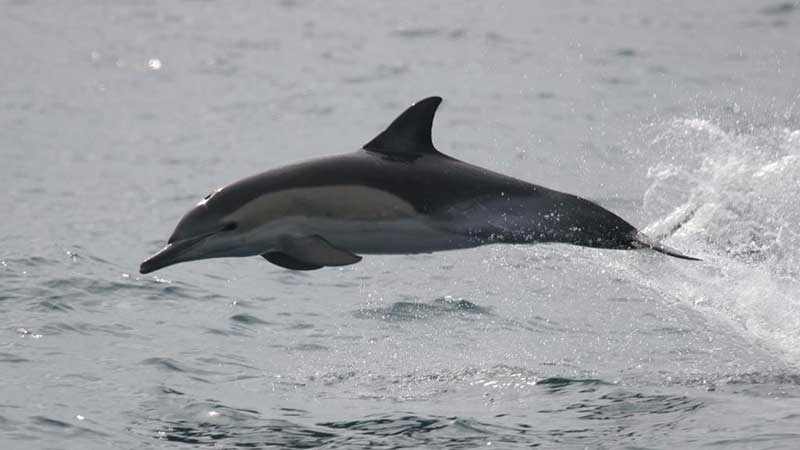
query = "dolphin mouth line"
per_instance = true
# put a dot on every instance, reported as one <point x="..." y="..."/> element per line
<point x="170" y="254"/>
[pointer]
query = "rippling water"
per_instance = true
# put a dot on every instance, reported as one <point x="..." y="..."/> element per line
<point x="115" y="117"/>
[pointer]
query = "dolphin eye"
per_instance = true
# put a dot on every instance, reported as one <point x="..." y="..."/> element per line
<point x="230" y="226"/>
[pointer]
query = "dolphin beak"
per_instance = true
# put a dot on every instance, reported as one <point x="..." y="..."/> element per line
<point x="169" y="255"/>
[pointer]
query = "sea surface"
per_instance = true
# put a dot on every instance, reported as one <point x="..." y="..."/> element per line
<point x="683" y="117"/>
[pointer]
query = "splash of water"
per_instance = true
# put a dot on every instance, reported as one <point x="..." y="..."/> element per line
<point x="731" y="198"/>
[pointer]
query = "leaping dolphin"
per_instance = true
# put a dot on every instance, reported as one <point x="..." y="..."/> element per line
<point x="396" y="195"/>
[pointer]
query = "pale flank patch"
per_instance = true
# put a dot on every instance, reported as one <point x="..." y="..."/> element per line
<point x="346" y="203"/>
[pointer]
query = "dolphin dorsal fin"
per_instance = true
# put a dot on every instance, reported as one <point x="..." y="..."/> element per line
<point x="409" y="135"/>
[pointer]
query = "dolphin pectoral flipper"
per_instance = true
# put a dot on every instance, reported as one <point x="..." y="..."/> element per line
<point x="287" y="262"/>
<point x="315" y="251"/>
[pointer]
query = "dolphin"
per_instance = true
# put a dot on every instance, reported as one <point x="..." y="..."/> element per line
<point x="396" y="195"/>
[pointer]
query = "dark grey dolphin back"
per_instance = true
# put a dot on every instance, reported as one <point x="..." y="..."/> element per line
<point x="409" y="135"/>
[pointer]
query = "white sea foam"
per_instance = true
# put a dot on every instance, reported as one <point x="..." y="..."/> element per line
<point x="730" y="197"/>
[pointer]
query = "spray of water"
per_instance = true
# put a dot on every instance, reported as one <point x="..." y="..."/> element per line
<point x="731" y="198"/>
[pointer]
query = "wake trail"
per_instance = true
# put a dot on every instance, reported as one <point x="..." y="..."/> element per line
<point x="730" y="198"/>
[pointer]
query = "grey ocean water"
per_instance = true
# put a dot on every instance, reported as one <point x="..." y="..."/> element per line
<point x="117" y="116"/>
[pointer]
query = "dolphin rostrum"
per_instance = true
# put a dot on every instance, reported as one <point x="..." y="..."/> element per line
<point x="396" y="195"/>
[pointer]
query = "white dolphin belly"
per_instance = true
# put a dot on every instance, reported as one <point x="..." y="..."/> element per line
<point x="359" y="219"/>
<point x="396" y="236"/>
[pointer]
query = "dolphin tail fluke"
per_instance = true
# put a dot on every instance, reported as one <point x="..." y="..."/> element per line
<point x="643" y="241"/>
